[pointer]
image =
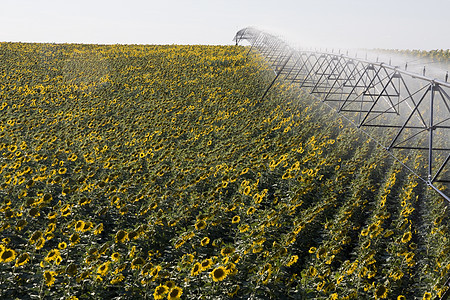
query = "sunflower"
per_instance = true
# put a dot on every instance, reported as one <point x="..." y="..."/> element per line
<point x="52" y="215"/>
<point x="49" y="236"/>
<point x="51" y="227"/>
<point x="66" y="209"/>
<point x="87" y="226"/>
<point x="120" y="268"/>
<point x="83" y="276"/>
<point x="205" y="241"/>
<point x="115" y="256"/>
<point x="84" y="201"/>
<point x="187" y="258"/>
<point x="79" y="225"/>
<point x="146" y="269"/>
<point x="196" y="269"/>
<point x="381" y="292"/>
<point x="292" y="261"/>
<point x="312" y="271"/>
<point x="247" y="190"/>
<point x="52" y="255"/>
<point x="132" y="252"/>
<point x="321" y="253"/>
<point x="35" y="237"/>
<point x="7" y="255"/>
<point x="137" y="263"/>
<point x="243" y="228"/>
<point x="103" y="268"/>
<point x="426" y="296"/>
<point x="219" y="274"/>
<point x="49" y="277"/>
<point x="74" y="239"/>
<point x="62" y="245"/>
<point x="257" y="249"/>
<point x="12" y="148"/>
<point x="40" y="243"/>
<point x="200" y="225"/>
<point x="206" y="264"/>
<point x="118" y="278"/>
<point x="72" y="157"/>
<point x="251" y="210"/>
<point x="22" y="194"/>
<point x="160" y="291"/>
<point x="231" y="269"/>
<point x="155" y="271"/>
<point x="22" y="259"/>
<point x="235" y="219"/>
<point x="396" y="274"/>
<point x="227" y="251"/>
<point x="244" y="171"/>
<point x="121" y="236"/>
<point x="409" y="258"/>
<point x="401" y="297"/>
<point x="72" y="269"/>
<point x="406" y="237"/>
<point x="34" y="212"/>
<point x="98" y="229"/>
<point x="175" y="293"/>
<point x="179" y="243"/>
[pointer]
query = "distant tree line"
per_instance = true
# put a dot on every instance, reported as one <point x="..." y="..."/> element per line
<point x="440" y="55"/>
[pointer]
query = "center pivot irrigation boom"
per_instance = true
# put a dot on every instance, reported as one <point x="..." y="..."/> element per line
<point x="399" y="110"/>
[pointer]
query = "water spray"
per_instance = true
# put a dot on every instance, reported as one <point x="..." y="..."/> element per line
<point x="372" y="96"/>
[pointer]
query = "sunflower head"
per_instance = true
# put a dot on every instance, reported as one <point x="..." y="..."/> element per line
<point x="175" y="293"/>
<point x="219" y="274"/>
<point x="103" y="268"/>
<point x="7" y="255"/>
<point x="49" y="277"/>
<point x="196" y="269"/>
<point x="72" y="270"/>
<point x="205" y="241"/>
<point x="406" y="237"/>
<point x="137" y="263"/>
<point x="381" y="292"/>
<point x="206" y="264"/>
<point x="160" y="291"/>
<point x="236" y="219"/>
<point x="74" y="238"/>
<point x="227" y="251"/>
<point x="200" y="225"/>
<point x="115" y="256"/>
<point x="121" y="236"/>
<point x="79" y="225"/>
<point x="426" y="296"/>
<point x="22" y="259"/>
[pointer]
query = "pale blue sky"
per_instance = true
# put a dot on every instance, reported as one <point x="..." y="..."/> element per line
<point x="402" y="24"/>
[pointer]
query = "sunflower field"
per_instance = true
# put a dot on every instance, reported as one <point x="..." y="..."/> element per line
<point x="156" y="172"/>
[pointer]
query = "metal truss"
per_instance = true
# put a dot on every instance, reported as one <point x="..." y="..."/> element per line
<point x="400" y="110"/>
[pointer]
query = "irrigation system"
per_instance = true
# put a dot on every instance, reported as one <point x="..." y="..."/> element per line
<point x="400" y="110"/>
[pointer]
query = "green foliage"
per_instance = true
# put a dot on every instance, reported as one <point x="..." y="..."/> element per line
<point x="133" y="172"/>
